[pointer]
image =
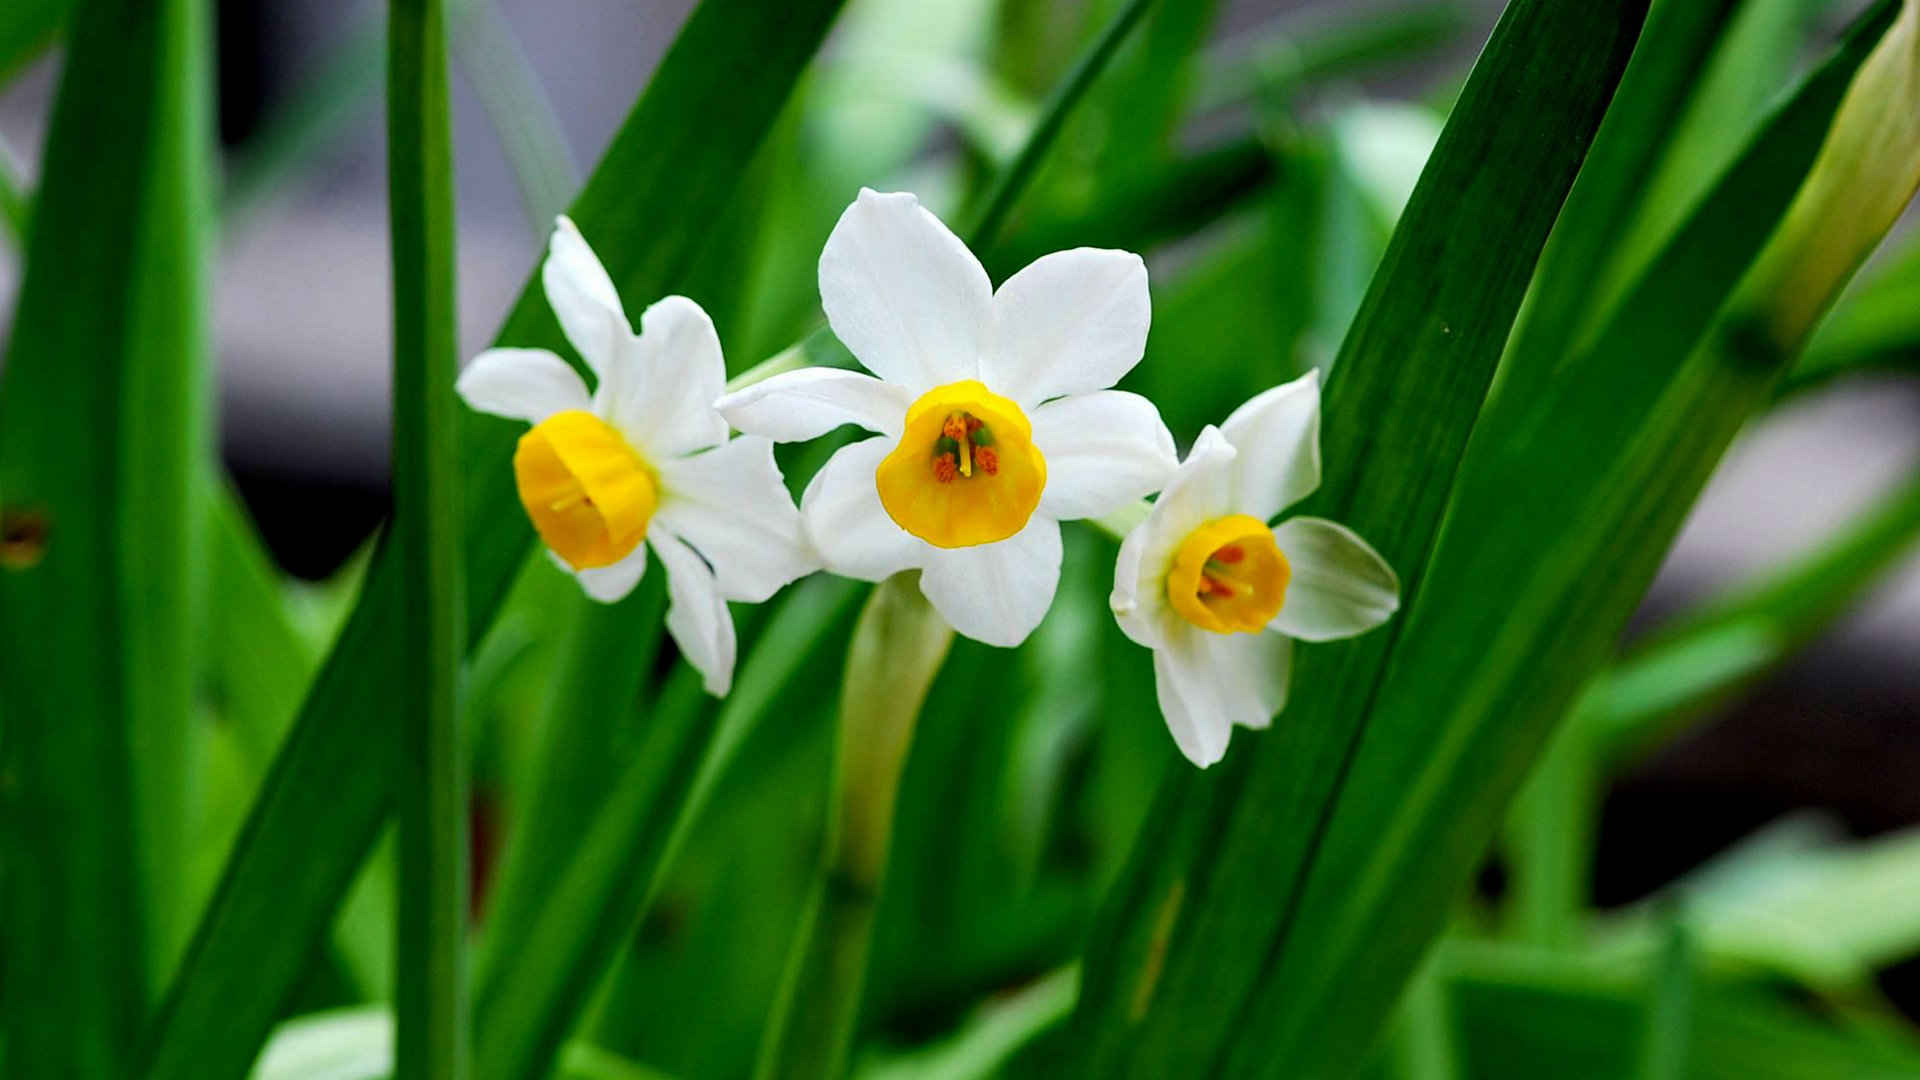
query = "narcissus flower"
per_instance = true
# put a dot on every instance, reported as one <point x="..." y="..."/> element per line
<point x="994" y="415"/>
<point x="644" y="458"/>
<point x="1218" y="596"/>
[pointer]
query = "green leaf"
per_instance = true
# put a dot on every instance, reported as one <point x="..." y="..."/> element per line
<point x="104" y="431"/>
<point x="1580" y="470"/>
<point x="1875" y="328"/>
<point x="647" y="207"/>
<point x="26" y="28"/>
<point x="1182" y="944"/>
<point x="430" y="996"/>
<point x="1669" y="1022"/>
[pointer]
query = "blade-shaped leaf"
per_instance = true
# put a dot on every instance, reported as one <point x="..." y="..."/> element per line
<point x="103" y="436"/>
<point x="647" y="206"/>
<point x="1181" y="943"/>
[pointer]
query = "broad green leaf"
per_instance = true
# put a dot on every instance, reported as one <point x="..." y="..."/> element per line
<point x="1182" y="943"/>
<point x="430" y="994"/>
<point x="1568" y="494"/>
<point x="104" y="431"/>
<point x="647" y="207"/>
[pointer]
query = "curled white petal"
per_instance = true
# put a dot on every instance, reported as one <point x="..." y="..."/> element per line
<point x="807" y="404"/>
<point x="697" y="615"/>
<point x="583" y="297"/>
<point x="846" y="523"/>
<point x="732" y="506"/>
<point x="997" y="593"/>
<point x="1188" y="701"/>
<point x="904" y="294"/>
<point x="1201" y="489"/>
<point x="609" y="584"/>
<point x="1137" y="605"/>
<point x="1103" y="450"/>
<point x="661" y="388"/>
<point x="1277" y="436"/>
<point x="1069" y="323"/>
<point x="1340" y="585"/>
<point x="521" y="384"/>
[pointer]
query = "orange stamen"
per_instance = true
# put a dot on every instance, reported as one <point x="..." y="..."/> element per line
<point x="1229" y="555"/>
<point x="944" y="470"/>
<point x="988" y="461"/>
<point x="955" y="428"/>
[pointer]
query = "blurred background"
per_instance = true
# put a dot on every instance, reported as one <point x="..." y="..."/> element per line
<point x="1303" y="129"/>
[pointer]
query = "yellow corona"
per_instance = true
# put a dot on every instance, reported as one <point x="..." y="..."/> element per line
<point x="589" y="493"/>
<point x="966" y="471"/>
<point x="1229" y="576"/>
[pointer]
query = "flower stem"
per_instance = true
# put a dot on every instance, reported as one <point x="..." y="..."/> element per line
<point x="898" y="646"/>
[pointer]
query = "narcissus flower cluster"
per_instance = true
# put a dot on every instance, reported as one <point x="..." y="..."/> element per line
<point x="992" y="419"/>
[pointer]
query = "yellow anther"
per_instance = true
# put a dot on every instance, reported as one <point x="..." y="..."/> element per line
<point x="929" y="484"/>
<point x="1229" y="576"/>
<point x="588" y="491"/>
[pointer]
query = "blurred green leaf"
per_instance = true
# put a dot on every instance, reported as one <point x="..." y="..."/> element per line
<point x="104" y="431"/>
<point x="1189" y="926"/>
<point x="985" y="1042"/>
<point x="26" y="28"/>
<point x="1518" y="1008"/>
<point x="1668" y="1031"/>
<point x="1321" y="43"/>
<point x="518" y="108"/>
<point x="661" y="180"/>
<point x="430" y="989"/>
<point x="1875" y="328"/>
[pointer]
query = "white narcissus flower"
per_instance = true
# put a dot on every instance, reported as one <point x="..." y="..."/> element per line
<point x="1219" y="597"/>
<point x="643" y="458"/>
<point x="994" y="415"/>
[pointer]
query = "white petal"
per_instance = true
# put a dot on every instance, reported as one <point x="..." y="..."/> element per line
<point x="1340" y="586"/>
<point x="997" y="593"/>
<point x="808" y="403"/>
<point x="731" y="505"/>
<point x="1208" y="682"/>
<point x="697" y="615"/>
<point x="583" y="297"/>
<point x="610" y="584"/>
<point x="1277" y="435"/>
<point x="904" y="294"/>
<point x="1071" y="322"/>
<point x="846" y="523"/>
<point x="1103" y="451"/>
<point x="521" y="384"/>
<point x="1137" y="598"/>
<point x="1189" y="701"/>
<point x="1253" y="670"/>
<point x="1201" y="489"/>
<point x="661" y="390"/>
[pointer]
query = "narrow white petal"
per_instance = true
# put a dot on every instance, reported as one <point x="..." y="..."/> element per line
<point x="1103" y="450"/>
<point x="1252" y="670"/>
<point x="1071" y="322"/>
<point x="661" y="391"/>
<point x="521" y="384"/>
<point x="1340" y="586"/>
<point x="1189" y="699"/>
<point x="731" y="505"/>
<point x="904" y="294"/>
<point x="1136" y="599"/>
<point x="583" y="297"/>
<point x="697" y="615"/>
<point x="808" y="403"/>
<point x="997" y="593"/>
<point x="611" y="584"/>
<point x="1277" y="435"/>
<point x="846" y="523"/>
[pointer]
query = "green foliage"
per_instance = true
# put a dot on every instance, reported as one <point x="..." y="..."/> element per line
<point x="103" y="428"/>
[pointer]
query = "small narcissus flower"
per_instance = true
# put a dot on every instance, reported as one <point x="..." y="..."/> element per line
<point x="643" y="458"/>
<point x="1218" y="596"/>
<point x="994" y="415"/>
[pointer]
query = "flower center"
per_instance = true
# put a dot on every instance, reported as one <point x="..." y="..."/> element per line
<point x="588" y="492"/>
<point x="1228" y="576"/>
<point x="966" y="471"/>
